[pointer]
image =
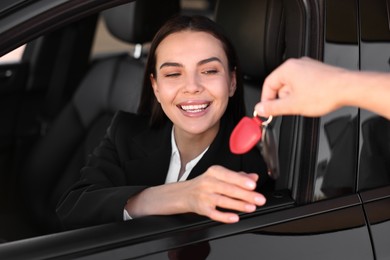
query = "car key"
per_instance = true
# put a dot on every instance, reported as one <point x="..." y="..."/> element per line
<point x="268" y="148"/>
<point x="252" y="131"/>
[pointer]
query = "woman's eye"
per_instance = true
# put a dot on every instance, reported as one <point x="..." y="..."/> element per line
<point x="172" y="75"/>
<point x="210" y="72"/>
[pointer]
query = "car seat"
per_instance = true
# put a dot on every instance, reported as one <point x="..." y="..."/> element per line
<point x="112" y="83"/>
<point x="256" y="29"/>
<point x="261" y="31"/>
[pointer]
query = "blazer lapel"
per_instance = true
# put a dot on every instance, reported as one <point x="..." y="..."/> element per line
<point x="152" y="165"/>
<point x="218" y="153"/>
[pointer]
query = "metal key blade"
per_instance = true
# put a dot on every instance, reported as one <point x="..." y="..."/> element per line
<point x="268" y="148"/>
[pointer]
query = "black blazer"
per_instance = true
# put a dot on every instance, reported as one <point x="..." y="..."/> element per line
<point x="131" y="157"/>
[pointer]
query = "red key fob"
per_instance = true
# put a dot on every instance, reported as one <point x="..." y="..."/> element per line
<point x="245" y="135"/>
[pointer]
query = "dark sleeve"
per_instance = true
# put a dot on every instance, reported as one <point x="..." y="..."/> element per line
<point x="101" y="193"/>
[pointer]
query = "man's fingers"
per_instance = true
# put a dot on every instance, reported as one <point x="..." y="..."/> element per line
<point x="274" y="84"/>
<point x="253" y="176"/>
<point x="275" y="107"/>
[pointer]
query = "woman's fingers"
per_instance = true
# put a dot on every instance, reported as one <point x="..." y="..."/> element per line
<point x="253" y="176"/>
<point x="238" y="193"/>
<point x="224" y="217"/>
<point x="235" y="185"/>
<point x="220" y="188"/>
<point x="215" y="213"/>
<point x="233" y="204"/>
<point x="239" y="179"/>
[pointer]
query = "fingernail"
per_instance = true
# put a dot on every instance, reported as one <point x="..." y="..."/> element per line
<point x="260" y="200"/>
<point x="234" y="218"/>
<point x="250" y="207"/>
<point x="251" y="184"/>
<point x="259" y="109"/>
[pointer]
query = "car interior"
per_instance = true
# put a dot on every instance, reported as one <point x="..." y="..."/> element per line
<point x="263" y="33"/>
<point x="112" y="83"/>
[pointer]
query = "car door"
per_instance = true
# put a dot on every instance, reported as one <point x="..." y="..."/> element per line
<point x="315" y="216"/>
<point x="326" y="219"/>
<point x="374" y="151"/>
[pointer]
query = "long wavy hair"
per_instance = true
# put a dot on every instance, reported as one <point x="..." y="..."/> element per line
<point x="150" y="106"/>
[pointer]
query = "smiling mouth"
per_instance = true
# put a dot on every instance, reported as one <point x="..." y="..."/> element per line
<point x="194" y="108"/>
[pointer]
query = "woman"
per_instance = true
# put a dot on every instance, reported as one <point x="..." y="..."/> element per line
<point x="173" y="157"/>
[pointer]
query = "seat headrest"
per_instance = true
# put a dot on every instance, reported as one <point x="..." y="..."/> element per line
<point x="138" y="21"/>
<point x="256" y="29"/>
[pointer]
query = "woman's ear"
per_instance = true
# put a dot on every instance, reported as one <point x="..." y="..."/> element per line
<point x="233" y="83"/>
<point x="155" y="87"/>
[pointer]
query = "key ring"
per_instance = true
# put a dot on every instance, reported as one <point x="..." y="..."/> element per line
<point x="253" y="131"/>
<point x="247" y="133"/>
<point x="263" y="123"/>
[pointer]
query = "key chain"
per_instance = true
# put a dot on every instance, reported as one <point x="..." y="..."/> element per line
<point x="247" y="134"/>
<point x="253" y="131"/>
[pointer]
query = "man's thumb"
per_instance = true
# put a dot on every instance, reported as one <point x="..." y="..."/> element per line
<point x="270" y="108"/>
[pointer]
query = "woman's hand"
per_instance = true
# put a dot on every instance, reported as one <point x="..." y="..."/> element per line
<point x="218" y="188"/>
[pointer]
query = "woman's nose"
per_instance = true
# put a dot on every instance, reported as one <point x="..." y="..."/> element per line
<point x="193" y="84"/>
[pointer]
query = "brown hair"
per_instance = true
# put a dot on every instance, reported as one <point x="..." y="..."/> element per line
<point x="149" y="104"/>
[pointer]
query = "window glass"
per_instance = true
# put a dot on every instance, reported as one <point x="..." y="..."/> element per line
<point x="338" y="136"/>
<point x="374" y="149"/>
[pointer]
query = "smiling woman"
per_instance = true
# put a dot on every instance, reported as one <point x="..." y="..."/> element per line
<point x="332" y="197"/>
<point x="200" y="81"/>
<point x="174" y="157"/>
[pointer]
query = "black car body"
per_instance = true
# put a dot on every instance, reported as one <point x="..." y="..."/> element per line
<point x="332" y="199"/>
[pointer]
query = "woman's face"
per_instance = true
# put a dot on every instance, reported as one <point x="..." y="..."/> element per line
<point x="193" y="82"/>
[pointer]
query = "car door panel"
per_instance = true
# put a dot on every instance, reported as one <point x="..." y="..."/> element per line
<point x="330" y="235"/>
<point x="328" y="227"/>
<point x="339" y="130"/>
<point x="331" y="229"/>
<point x="374" y="152"/>
<point x="377" y="208"/>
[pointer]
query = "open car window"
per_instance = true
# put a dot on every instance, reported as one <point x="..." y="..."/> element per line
<point x="313" y="201"/>
<point x="31" y="119"/>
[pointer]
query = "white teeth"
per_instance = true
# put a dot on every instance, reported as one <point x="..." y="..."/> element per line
<point x="194" y="108"/>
